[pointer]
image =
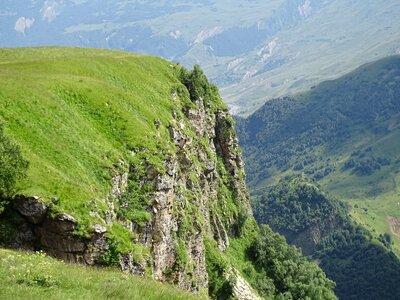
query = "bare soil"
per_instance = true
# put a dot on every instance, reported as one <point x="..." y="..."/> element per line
<point x="394" y="224"/>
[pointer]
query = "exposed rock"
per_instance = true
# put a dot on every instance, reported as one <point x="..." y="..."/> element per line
<point x="129" y="265"/>
<point x="221" y="235"/>
<point x="99" y="229"/>
<point x="31" y="208"/>
<point x="39" y="230"/>
<point x="97" y="246"/>
<point x="62" y="224"/>
<point x="242" y="290"/>
<point x="25" y="238"/>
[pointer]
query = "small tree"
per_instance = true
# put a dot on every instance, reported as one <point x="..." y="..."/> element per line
<point x="13" y="166"/>
<point x="197" y="84"/>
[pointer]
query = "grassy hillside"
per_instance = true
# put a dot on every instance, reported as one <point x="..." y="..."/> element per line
<point x="76" y="112"/>
<point x="343" y="133"/>
<point x="36" y="276"/>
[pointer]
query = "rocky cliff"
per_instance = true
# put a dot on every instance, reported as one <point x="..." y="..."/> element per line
<point x="162" y="202"/>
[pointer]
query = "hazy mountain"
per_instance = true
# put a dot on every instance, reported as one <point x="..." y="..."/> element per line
<point x="255" y="50"/>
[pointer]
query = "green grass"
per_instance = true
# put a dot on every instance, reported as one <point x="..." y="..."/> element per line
<point x="36" y="276"/>
<point x="76" y="113"/>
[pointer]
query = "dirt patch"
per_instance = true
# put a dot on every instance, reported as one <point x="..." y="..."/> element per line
<point x="394" y="224"/>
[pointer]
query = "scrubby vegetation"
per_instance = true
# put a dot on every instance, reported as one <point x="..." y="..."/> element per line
<point x="199" y="87"/>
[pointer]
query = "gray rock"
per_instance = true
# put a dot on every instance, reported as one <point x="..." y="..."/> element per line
<point x="99" y="229"/>
<point x="31" y="208"/>
<point x="62" y="224"/>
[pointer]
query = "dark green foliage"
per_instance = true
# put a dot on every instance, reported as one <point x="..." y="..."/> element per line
<point x="294" y="204"/>
<point x="112" y="256"/>
<point x="10" y="220"/>
<point x="277" y="270"/>
<point x="363" y="162"/>
<point x="198" y="86"/>
<point x="386" y="239"/>
<point x="13" y="166"/>
<point x="361" y="267"/>
<point x="135" y="200"/>
<point x="294" y="276"/>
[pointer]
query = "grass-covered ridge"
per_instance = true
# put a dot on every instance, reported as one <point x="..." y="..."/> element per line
<point x="76" y="113"/>
<point x="36" y="276"/>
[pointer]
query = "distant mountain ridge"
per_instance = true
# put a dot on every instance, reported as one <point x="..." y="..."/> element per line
<point x="254" y="50"/>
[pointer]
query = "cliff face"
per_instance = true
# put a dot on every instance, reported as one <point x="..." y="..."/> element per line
<point x="158" y="212"/>
<point x="199" y="195"/>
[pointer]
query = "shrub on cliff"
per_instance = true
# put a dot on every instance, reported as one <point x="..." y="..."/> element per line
<point x="12" y="166"/>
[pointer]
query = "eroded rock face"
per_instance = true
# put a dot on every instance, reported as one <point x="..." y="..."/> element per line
<point x="186" y="197"/>
<point x="31" y="208"/>
<point x="309" y="238"/>
<point x="55" y="235"/>
<point x="243" y="291"/>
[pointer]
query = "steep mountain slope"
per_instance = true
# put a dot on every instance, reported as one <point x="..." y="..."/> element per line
<point x="255" y="50"/>
<point x="362" y="266"/>
<point x="344" y="133"/>
<point x="337" y="117"/>
<point x="133" y="161"/>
